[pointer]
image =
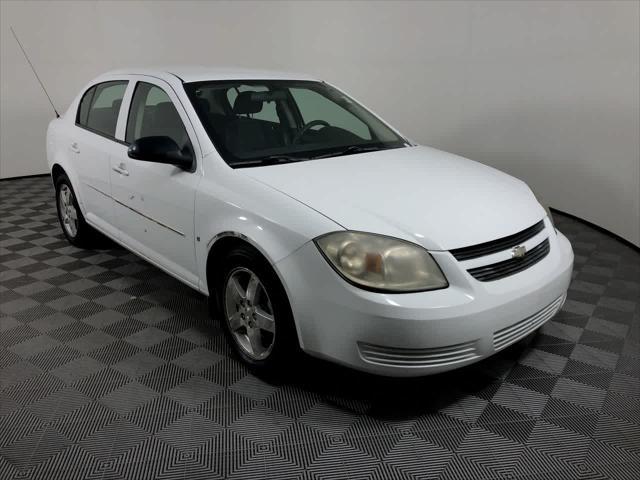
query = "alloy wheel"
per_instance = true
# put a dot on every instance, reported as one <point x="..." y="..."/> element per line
<point x="249" y="313"/>
<point x="68" y="212"/>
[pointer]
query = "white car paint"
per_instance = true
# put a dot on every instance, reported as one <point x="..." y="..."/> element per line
<point x="438" y="200"/>
<point x="161" y="192"/>
<point x="417" y="193"/>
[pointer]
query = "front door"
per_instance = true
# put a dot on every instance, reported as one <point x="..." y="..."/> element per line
<point x="153" y="203"/>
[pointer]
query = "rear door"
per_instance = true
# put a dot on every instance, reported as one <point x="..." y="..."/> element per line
<point x="154" y="203"/>
<point x="93" y="142"/>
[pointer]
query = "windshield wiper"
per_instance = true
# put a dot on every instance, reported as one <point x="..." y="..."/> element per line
<point x="352" y="149"/>
<point x="269" y="160"/>
<point x="284" y="158"/>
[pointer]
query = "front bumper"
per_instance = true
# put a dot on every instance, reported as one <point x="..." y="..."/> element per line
<point x="422" y="333"/>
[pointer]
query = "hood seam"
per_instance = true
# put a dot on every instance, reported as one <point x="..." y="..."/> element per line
<point x="297" y="200"/>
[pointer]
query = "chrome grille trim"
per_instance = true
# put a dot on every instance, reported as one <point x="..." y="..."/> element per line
<point x="503" y="269"/>
<point x="418" y="357"/>
<point x="513" y="333"/>
<point x="494" y="246"/>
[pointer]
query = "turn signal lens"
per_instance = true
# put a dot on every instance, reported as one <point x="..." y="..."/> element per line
<point x="380" y="263"/>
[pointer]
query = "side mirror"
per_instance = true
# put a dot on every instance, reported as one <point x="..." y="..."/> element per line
<point x="159" y="150"/>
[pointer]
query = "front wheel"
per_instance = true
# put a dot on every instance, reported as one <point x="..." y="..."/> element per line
<point x="255" y="310"/>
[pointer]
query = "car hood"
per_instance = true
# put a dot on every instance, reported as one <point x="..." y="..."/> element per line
<point x="437" y="199"/>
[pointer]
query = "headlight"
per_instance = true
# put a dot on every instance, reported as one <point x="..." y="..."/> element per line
<point x="546" y="209"/>
<point x="380" y="263"/>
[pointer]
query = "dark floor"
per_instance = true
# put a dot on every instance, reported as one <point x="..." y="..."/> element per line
<point x="111" y="369"/>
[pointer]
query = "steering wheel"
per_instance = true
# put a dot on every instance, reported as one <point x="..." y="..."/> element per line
<point x="309" y="126"/>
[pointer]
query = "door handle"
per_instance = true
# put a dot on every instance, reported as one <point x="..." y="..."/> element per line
<point x="74" y="147"/>
<point x="121" y="169"/>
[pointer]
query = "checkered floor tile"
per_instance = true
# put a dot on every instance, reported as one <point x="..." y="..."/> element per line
<point x="111" y="369"/>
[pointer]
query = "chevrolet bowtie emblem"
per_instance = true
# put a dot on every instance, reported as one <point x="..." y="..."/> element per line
<point x="518" y="251"/>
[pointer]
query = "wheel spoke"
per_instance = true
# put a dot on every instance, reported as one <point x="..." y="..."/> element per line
<point x="235" y="321"/>
<point x="255" y="340"/>
<point x="236" y="290"/>
<point x="67" y="211"/>
<point x="252" y="288"/>
<point x="249" y="314"/>
<point x="264" y="320"/>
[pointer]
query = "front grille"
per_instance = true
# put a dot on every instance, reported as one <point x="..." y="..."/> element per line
<point x="494" y="246"/>
<point x="513" y="333"/>
<point x="418" y="357"/>
<point x="499" y="270"/>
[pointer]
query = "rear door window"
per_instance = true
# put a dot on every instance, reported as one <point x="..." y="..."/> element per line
<point x="100" y="106"/>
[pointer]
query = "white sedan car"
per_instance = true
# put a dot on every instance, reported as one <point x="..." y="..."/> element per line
<point x="311" y="223"/>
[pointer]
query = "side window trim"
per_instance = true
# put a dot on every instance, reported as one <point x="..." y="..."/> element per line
<point x="93" y="89"/>
<point x="124" y="112"/>
<point x="101" y="134"/>
<point x="136" y="84"/>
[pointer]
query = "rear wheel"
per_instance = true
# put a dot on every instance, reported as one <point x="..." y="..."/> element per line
<point x="73" y="224"/>
<point x="255" y="310"/>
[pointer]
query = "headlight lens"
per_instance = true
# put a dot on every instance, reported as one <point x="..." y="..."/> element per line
<point x="381" y="263"/>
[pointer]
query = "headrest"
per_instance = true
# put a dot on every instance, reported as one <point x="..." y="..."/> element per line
<point x="246" y="103"/>
<point x="165" y="114"/>
<point x="165" y="108"/>
<point x="116" y="104"/>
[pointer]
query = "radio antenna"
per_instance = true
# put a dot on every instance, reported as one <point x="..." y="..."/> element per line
<point x="34" y="71"/>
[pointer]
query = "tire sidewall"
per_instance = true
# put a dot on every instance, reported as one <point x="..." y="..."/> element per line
<point x="285" y="340"/>
<point x="78" y="239"/>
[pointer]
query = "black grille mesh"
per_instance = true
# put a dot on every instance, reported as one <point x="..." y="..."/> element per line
<point x="487" y="248"/>
<point x="505" y="268"/>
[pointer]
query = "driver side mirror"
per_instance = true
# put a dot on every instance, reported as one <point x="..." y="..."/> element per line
<point x="160" y="149"/>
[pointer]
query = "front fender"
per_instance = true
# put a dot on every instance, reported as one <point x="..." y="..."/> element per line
<point x="275" y="224"/>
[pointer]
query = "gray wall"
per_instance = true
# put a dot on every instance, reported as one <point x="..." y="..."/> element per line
<point x="547" y="91"/>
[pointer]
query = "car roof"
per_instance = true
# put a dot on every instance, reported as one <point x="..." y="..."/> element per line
<point x="202" y="73"/>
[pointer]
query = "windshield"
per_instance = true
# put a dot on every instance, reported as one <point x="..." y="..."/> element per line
<point x="255" y="123"/>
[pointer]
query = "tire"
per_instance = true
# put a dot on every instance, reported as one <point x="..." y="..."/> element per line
<point x="77" y="231"/>
<point x="241" y="268"/>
